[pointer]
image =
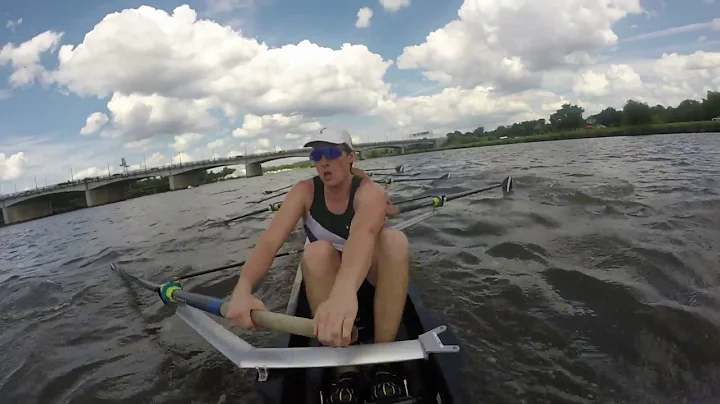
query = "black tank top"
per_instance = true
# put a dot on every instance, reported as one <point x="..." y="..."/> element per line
<point x="321" y="224"/>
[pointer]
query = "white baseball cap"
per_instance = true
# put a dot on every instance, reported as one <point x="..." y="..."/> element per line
<point x="331" y="135"/>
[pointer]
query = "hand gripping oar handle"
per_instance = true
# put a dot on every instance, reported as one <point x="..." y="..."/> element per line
<point x="289" y="324"/>
<point x="262" y="318"/>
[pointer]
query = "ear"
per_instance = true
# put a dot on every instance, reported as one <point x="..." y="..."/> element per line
<point x="351" y="157"/>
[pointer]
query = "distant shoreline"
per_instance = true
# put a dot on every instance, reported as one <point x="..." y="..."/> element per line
<point x="640" y="130"/>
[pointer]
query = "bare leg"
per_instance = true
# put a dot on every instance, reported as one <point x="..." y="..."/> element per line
<point x="320" y="264"/>
<point x="391" y="285"/>
<point x="390" y="276"/>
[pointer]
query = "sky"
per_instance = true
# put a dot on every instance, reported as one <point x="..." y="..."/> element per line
<point x="84" y="83"/>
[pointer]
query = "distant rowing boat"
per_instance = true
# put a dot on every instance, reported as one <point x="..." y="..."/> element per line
<point x="293" y="370"/>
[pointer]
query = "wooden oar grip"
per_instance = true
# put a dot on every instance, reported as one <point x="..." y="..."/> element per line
<point x="288" y="324"/>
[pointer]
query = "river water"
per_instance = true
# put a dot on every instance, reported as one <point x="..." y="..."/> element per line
<point x="596" y="281"/>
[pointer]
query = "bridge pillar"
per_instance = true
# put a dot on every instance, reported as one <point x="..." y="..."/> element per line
<point x="359" y="155"/>
<point x="108" y="194"/>
<point x="402" y="149"/>
<point x="253" y="170"/>
<point x="180" y="181"/>
<point x="28" y="210"/>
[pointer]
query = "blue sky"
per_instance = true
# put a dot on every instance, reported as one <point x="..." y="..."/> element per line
<point x="43" y="120"/>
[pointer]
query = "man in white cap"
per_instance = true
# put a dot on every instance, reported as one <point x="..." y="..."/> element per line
<point x="348" y="250"/>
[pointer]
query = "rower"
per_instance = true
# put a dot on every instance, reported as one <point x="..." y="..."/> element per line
<point x="348" y="248"/>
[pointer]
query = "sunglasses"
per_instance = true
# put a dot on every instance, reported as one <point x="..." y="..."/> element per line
<point x="330" y="153"/>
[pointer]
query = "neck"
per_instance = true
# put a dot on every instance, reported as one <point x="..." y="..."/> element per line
<point x="341" y="190"/>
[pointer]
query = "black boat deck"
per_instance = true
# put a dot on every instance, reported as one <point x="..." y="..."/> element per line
<point x="436" y="380"/>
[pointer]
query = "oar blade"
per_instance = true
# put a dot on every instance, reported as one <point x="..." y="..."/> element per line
<point x="507" y="185"/>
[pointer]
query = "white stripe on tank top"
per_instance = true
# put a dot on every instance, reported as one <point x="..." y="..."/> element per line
<point x="315" y="231"/>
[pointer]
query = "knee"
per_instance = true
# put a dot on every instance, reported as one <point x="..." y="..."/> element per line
<point x="318" y="258"/>
<point x="393" y="242"/>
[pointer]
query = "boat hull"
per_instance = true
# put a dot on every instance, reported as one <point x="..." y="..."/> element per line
<point x="435" y="380"/>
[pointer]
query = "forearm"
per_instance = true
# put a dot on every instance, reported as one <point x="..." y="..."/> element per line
<point x="257" y="266"/>
<point x="357" y="259"/>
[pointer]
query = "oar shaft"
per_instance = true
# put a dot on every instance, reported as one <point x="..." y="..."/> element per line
<point x="438" y="201"/>
<point x="417" y="179"/>
<point x="267" y="198"/>
<point x="470" y="192"/>
<point x="429" y="202"/>
<point x="272" y="208"/>
<point x="398" y="169"/>
<point x="228" y="266"/>
<point x="416" y="198"/>
<point x="248" y="214"/>
<point x="393" y="179"/>
<point x="276" y="190"/>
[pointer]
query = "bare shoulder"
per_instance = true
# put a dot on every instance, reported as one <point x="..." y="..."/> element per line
<point x="301" y="192"/>
<point x="370" y="191"/>
<point x="359" y="172"/>
<point x="304" y="186"/>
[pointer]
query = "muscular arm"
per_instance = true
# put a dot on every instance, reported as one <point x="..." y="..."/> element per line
<point x="390" y="210"/>
<point x="359" y="249"/>
<point x="283" y="222"/>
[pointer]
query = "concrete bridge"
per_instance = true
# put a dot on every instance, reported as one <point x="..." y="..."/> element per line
<point x="34" y="203"/>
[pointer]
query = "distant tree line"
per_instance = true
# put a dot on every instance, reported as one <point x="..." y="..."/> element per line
<point x="570" y="117"/>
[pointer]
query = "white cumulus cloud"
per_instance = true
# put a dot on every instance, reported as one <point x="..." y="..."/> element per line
<point x="13" y="24"/>
<point x="363" y="17"/>
<point x="394" y="5"/>
<point x="183" y="58"/>
<point x="216" y="143"/>
<point x="25" y="58"/>
<point x="277" y="126"/>
<point x="94" y="122"/>
<point x="508" y="43"/>
<point x="143" y="116"/>
<point x="184" y="141"/>
<point x="12" y="167"/>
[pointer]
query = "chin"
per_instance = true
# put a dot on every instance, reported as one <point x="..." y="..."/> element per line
<point x="334" y="180"/>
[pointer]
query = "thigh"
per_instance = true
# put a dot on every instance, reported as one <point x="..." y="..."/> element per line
<point x="388" y="242"/>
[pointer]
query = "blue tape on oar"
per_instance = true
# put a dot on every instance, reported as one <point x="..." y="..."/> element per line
<point x="214" y="306"/>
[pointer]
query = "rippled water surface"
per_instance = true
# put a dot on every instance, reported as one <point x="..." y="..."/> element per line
<point x="597" y="281"/>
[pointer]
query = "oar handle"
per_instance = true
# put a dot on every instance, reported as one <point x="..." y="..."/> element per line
<point x="284" y="323"/>
<point x="289" y="324"/>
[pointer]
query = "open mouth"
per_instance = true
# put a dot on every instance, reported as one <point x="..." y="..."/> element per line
<point x="326" y="175"/>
